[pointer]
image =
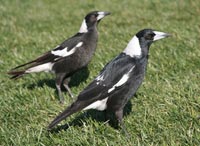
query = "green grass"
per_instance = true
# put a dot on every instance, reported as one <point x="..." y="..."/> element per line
<point x="167" y="105"/>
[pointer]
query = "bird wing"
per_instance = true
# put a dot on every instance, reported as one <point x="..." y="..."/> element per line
<point x="108" y="78"/>
<point x="65" y="49"/>
<point x="99" y="88"/>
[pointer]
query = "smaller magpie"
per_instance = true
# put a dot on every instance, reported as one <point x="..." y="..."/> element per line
<point x="68" y="57"/>
<point x="118" y="81"/>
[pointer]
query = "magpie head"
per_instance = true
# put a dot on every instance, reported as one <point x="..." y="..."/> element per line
<point x="92" y="19"/>
<point x="148" y="36"/>
<point x="140" y="43"/>
<point x="95" y="16"/>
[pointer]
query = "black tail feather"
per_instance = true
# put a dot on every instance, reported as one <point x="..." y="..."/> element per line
<point x="16" y="74"/>
<point x="23" y="65"/>
<point x="47" y="57"/>
<point x="75" y="107"/>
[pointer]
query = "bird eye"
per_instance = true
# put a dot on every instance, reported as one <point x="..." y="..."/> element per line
<point x="150" y="36"/>
<point x="93" y="18"/>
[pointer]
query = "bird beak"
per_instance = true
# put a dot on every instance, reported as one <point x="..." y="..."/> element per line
<point x="102" y="14"/>
<point x="160" y="35"/>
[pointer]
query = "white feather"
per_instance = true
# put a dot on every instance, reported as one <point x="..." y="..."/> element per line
<point x="83" y="28"/>
<point x="43" y="67"/>
<point x="79" y="44"/>
<point x="123" y="80"/>
<point x="98" y="105"/>
<point x="99" y="78"/>
<point x="133" y="48"/>
<point x="64" y="52"/>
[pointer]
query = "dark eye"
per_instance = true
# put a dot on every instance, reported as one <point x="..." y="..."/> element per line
<point x="149" y="36"/>
<point x="93" y="18"/>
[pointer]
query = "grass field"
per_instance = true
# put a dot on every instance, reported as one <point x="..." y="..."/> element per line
<point x="167" y="106"/>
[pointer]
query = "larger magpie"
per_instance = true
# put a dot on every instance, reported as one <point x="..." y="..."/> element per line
<point x="68" y="57"/>
<point x="118" y="81"/>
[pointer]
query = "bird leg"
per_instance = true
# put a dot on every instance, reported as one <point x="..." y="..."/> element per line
<point x="119" y="116"/>
<point x="106" y="118"/>
<point x="65" y="84"/>
<point x="59" y="79"/>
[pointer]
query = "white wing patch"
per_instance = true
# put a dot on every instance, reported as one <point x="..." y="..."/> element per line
<point x="43" y="67"/>
<point x="98" y="105"/>
<point x="123" y="80"/>
<point x="83" y="28"/>
<point x="99" y="78"/>
<point x="79" y="44"/>
<point x="64" y="52"/>
<point x="133" y="48"/>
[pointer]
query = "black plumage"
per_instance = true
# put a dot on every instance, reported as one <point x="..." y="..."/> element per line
<point x="118" y="81"/>
<point x="68" y="57"/>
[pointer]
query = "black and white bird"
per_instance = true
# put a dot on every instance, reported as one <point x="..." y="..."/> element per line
<point x="118" y="81"/>
<point x="68" y="57"/>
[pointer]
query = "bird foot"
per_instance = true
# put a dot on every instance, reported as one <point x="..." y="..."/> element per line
<point x="62" y="102"/>
<point x="68" y="90"/>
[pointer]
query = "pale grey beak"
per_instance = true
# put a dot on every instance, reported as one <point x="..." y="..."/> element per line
<point x="102" y="14"/>
<point x="160" y="35"/>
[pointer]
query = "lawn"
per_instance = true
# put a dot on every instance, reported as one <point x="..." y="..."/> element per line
<point x="165" y="109"/>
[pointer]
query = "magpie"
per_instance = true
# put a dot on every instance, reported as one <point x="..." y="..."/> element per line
<point x="118" y="81"/>
<point x="67" y="58"/>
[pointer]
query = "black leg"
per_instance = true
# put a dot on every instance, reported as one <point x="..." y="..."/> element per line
<point x="59" y="80"/>
<point x="119" y="116"/>
<point x="65" y="84"/>
<point x="106" y="117"/>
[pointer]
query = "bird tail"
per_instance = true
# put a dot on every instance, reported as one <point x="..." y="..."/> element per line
<point x="75" y="107"/>
<point x="42" y="63"/>
<point x="20" y="66"/>
<point x="16" y="74"/>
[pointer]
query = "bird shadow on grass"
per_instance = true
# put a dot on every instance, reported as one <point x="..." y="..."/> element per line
<point x="76" y="79"/>
<point x="94" y="115"/>
<point x="79" y="77"/>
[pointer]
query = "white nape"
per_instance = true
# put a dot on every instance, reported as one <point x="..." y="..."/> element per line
<point x="123" y="80"/>
<point x="100" y="15"/>
<point x="133" y="48"/>
<point x="83" y="28"/>
<point x="64" y="52"/>
<point x="98" y="105"/>
<point x="43" y="67"/>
